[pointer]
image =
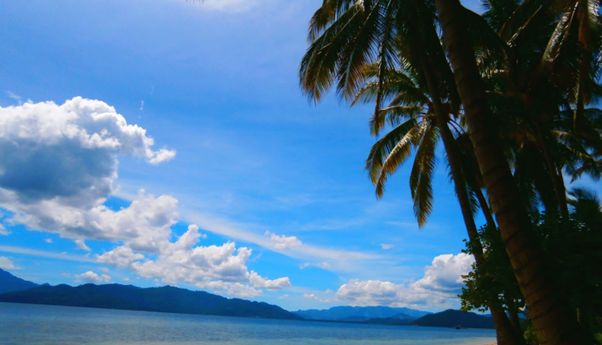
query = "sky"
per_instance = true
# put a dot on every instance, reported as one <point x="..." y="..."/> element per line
<point x="167" y="142"/>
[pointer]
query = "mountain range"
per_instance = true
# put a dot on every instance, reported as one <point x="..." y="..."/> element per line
<point x="160" y="299"/>
<point x="177" y="300"/>
<point x="360" y="314"/>
<point x="455" y="318"/>
<point x="10" y="283"/>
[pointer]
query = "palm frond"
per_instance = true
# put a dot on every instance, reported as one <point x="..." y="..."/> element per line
<point x="422" y="173"/>
<point x="389" y="152"/>
<point x="319" y="64"/>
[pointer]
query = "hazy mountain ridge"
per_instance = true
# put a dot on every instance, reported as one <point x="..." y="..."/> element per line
<point x="177" y="300"/>
<point x="10" y="283"/>
<point x="158" y="299"/>
<point x="455" y="318"/>
<point x="359" y="314"/>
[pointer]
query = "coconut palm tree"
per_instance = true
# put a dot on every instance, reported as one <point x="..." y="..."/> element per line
<point x="548" y="310"/>
<point x="554" y="50"/>
<point x="344" y="36"/>
<point x="416" y="125"/>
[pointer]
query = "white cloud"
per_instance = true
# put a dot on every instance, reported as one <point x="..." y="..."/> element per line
<point x="121" y="257"/>
<point x="321" y="297"/>
<point x="332" y="259"/>
<point x="219" y="268"/>
<point x="3" y="231"/>
<point x="81" y="244"/>
<point x="44" y="254"/>
<point x="282" y="242"/>
<point x="57" y="169"/>
<point x="375" y="292"/>
<point x="48" y="240"/>
<point x="7" y="264"/>
<point x="386" y="246"/>
<point x="145" y="224"/>
<point x="93" y="277"/>
<point x="58" y="165"/>
<point x="68" y="151"/>
<point x="13" y="96"/>
<point x="323" y="265"/>
<point x="227" y="5"/>
<point x="441" y="283"/>
<point x="445" y="273"/>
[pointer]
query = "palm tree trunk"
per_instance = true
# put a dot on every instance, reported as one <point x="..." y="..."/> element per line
<point x="552" y="319"/>
<point x="505" y="333"/>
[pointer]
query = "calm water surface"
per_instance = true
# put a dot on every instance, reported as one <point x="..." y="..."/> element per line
<point x="22" y="324"/>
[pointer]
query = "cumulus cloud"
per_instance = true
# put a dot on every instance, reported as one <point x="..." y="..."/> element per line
<point x="68" y="151"/>
<point x="282" y="242"/>
<point x="7" y="264"/>
<point x="445" y="273"/>
<point x="144" y="225"/>
<point x="372" y="292"/>
<point x="94" y="278"/>
<point x="219" y="268"/>
<point x="58" y="164"/>
<point x="121" y="257"/>
<point x="441" y="283"/>
<point x="321" y="297"/>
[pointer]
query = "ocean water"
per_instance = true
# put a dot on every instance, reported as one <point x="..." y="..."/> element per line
<point x="26" y="324"/>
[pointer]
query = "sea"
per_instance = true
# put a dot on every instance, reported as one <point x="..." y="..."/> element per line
<point x="28" y="324"/>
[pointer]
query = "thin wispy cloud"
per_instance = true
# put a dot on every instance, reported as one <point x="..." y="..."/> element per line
<point x="45" y="254"/>
<point x="333" y="259"/>
<point x="7" y="264"/>
<point x="225" y="5"/>
<point x="3" y="230"/>
<point x="15" y="97"/>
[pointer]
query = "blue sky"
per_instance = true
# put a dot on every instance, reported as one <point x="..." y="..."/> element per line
<point x="266" y="196"/>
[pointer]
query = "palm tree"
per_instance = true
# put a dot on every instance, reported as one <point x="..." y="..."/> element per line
<point x="548" y="310"/>
<point x="553" y="62"/>
<point x="414" y="115"/>
<point x="343" y="36"/>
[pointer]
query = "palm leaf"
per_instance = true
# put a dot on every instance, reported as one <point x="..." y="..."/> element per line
<point x="422" y="173"/>
<point x="319" y="64"/>
<point x="389" y="152"/>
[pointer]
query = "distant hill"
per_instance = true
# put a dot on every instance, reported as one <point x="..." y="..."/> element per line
<point x="363" y="314"/>
<point x="10" y="283"/>
<point x="160" y="299"/>
<point x="455" y="318"/>
<point x="176" y="300"/>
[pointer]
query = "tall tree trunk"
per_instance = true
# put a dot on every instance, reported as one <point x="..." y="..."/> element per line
<point x="505" y="333"/>
<point x="552" y="319"/>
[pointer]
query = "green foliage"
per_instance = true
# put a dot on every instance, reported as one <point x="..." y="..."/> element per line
<point x="573" y="244"/>
<point x="492" y="283"/>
